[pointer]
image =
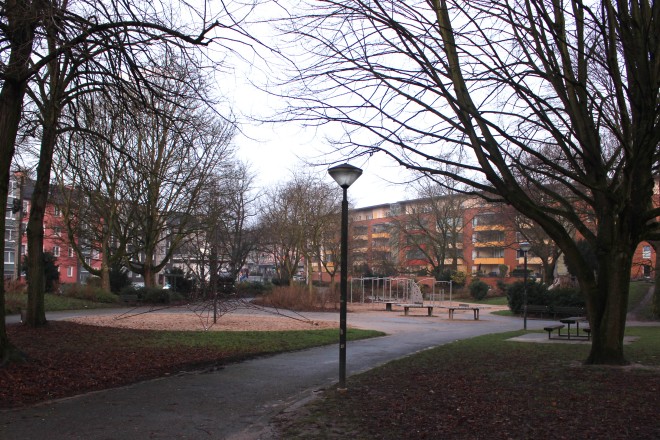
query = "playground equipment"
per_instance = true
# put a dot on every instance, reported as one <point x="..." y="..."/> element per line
<point x="390" y="289"/>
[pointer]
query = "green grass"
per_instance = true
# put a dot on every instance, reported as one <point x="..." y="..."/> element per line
<point x="492" y="301"/>
<point x="255" y="342"/>
<point x="490" y="387"/>
<point x="53" y="303"/>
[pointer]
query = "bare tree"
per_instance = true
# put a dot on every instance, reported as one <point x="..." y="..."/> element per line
<point x="292" y="220"/>
<point x="80" y="30"/>
<point x="90" y="167"/>
<point x="226" y="231"/>
<point x="433" y="227"/>
<point x="551" y="107"/>
<point x="177" y="147"/>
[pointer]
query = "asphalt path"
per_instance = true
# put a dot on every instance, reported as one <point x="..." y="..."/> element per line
<point x="238" y="401"/>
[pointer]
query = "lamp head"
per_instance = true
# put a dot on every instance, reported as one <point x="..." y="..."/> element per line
<point x="345" y="174"/>
<point x="525" y="246"/>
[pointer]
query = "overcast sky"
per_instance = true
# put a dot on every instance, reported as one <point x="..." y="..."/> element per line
<point x="276" y="150"/>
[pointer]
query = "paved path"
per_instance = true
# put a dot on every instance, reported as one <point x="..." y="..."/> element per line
<point x="238" y="401"/>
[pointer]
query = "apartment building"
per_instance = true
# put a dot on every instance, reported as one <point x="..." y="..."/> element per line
<point x="482" y="240"/>
<point x="55" y="235"/>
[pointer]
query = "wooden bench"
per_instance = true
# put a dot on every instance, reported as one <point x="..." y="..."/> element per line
<point x="552" y="328"/>
<point x="538" y="310"/>
<point x="407" y="307"/>
<point x="475" y="310"/>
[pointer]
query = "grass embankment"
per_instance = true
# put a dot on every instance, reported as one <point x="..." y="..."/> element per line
<point x="14" y="302"/>
<point x="489" y="387"/>
<point x="64" y="358"/>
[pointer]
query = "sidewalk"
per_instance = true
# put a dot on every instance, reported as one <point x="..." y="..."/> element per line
<point x="238" y="401"/>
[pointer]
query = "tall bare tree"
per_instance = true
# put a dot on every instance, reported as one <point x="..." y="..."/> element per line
<point x="551" y="107"/>
<point x="90" y="167"/>
<point x="177" y="147"/>
<point x="71" y="30"/>
<point x="433" y="227"/>
<point x="293" y="220"/>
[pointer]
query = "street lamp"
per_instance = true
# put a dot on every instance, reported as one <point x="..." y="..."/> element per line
<point x="344" y="175"/>
<point x="525" y="247"/>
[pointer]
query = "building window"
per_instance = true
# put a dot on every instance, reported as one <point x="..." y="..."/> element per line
<point x="57" y="231"/>
<point x="69" y="271"/>
<point x="9" y="257"/>
<point x="96" y="254"/>
<point x="9" y="213"/>
<point x="56" y="251"/>
<point x="646" y="252"/>
<point x="23" y="249"/>
<point x="9" y="235"/>
<point x="70" y="252"/>
<point x="57" y="211"/>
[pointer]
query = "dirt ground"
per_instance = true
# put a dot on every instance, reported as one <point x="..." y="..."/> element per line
<point x="234" y="321"/>
<point x="196" y="322"/>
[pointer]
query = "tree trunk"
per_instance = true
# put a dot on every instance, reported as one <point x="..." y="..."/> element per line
<point x="36" y="311"/>
<point x="548" y="271"/>
<point x="20" y="22"/>
<point x="655" y="307"/>
<point x="607" y="304"/>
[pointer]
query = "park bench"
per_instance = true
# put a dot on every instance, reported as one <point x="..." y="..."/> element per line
<point x="552" y="328"/>
<point x="407" y="307"/>
<point x="538" y="310"/>
<point x="475" y="310"/>
<point x="416" y="302"/>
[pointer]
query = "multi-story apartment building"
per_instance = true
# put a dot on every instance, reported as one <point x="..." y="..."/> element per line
<point x="55" y="235"/>
<point x="482" y="240"/>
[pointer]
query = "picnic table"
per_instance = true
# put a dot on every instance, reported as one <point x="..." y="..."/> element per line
<point x="576" y="320"/>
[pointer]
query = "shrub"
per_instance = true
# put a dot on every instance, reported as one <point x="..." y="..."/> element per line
<point x="537" y="294"/>
<point x="298" y="297"/>
<point x="566" y="297"/>
<point x="478" y="289"/>
<point x="94" y="281"/>
<point x="250" y="288"/>
<point x="459" y="278"/>
<point x="154" y="295"/>
<point x="88" y="292"/>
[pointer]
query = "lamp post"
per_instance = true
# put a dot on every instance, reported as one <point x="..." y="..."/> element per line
<point x="344" y="175"/>
<point x="525" y="247"/>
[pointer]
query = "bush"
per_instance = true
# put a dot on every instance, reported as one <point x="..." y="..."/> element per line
<point x="566" y="297"/>
<point x="459" y="278"/>
<point x="537" y="294"/>
<point x="89" y="292"/>
<point x="250" y="288"/>
<point x="478" y="289"/>
<point x="298" y="297"/>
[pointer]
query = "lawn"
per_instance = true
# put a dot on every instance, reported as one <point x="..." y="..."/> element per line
<point x="492" y="388"/>
<point x="65" y="358"/>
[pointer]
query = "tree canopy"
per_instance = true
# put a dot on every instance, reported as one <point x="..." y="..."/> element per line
<point x="551" y="107"/>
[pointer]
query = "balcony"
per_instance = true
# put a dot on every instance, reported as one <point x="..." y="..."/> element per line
<point x="490" y="228"/>
<point x="488" y="244"/>
<point x="482" y="260"/>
